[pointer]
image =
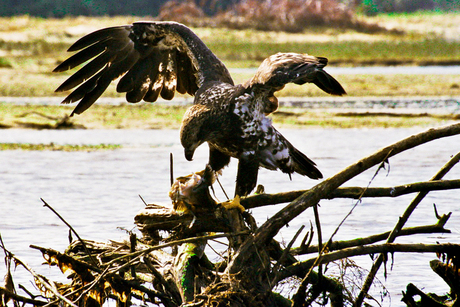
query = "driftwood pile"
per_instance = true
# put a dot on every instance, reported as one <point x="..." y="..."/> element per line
<point x="168" y="265"/>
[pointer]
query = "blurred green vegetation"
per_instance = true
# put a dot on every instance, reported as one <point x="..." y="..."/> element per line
<point x="61" y="8"/>
<point x="57" y="147"/>
<point x="31" y="47"/>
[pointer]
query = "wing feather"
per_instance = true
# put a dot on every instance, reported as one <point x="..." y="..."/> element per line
<point x="185" y="73"/>
<point x="138" y="80"/>
<point x="136" y="76"/>
<point x="81" y="57"/>
<point x="118" y="32"/>
<point x="154" y="59"/>
<point x="93" y="88"/>
<point x="282" y="68"/>
<point x="169" y="78"/>
<point x="87" y="71"/>
<point x="80" y="92"/>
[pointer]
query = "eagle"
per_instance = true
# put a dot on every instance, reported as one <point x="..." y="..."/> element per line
<point x="155" y="59"/>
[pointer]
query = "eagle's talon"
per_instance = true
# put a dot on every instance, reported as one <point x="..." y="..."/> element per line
<point x="234" y="204"/>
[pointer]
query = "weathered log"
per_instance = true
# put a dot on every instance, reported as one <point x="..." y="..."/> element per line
<point x="184" y="224"/>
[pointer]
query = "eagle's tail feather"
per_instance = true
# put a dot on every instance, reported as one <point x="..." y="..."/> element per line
<point x="304" y="165"/>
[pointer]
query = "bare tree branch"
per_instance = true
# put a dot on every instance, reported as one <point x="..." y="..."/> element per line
<point x="337" y="245"/>
<point x="20" y="298"/>
<point x="72" y="229"/>
<point x="261" y="200"/>
<point x="399" y="225"/>
<point x="271" y="227"/>
<point x="299" y="268"/>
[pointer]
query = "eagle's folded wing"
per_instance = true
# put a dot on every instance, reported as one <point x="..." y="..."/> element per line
<point x="282" y="68"/>
<point x="279" y="69"/>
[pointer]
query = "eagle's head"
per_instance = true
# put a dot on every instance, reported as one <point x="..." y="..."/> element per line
<point x="190" y="141"/>
<point x="192" y="131"/>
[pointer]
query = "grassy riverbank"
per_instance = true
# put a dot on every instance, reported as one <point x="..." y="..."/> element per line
<point x="161" y="116"/>
<point x="57" y="147"/>
<point x="31" y="47"/>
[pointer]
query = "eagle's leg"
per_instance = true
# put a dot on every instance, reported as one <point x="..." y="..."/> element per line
<point x="217" y="159"/>
<point x="246" y="179"/>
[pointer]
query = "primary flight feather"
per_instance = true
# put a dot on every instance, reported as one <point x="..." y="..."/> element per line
<point x="156" y="59"/>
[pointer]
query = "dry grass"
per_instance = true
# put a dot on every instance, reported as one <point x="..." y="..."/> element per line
<point x="31" y="47"/>
<point x="426" y="24"/>
<point x="160" y="116"/>
<point x="273" y="15"/>
<point x="139" y="116"/>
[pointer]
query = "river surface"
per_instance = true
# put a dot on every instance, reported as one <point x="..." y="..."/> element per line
<point x="98" y="192"/>
<point x="380" y="70"/>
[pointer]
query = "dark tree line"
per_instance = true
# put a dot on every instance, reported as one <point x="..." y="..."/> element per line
<point x="61" y="8"/>
<point x="371" y="7"/>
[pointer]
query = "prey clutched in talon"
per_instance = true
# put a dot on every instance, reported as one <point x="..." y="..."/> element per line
<point x="191" y="192"/>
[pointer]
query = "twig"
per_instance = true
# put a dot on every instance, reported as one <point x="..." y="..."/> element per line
<point x="222" y="187"/>
<point x="337" y="245"/>
<point x="90" y="286"/>
<point x="67" y="258"/>
<point x="44" y="282"/>
<point x="300" y="267"/>
<point x="137" y="254"/>
<point x="171" y="168"/>
<point x="401" y="221"/>
<point x="143" y="200"/>
<point x="175" y="298"/>
<point x="71" y="228"/>
<point x="320" y="236"/>
<point x="284" y="255"/>
<point x="133" y="243"/>
<point x="16" y="297"/>
<point x="8" y="280"/>
<point x="309" y="237"/>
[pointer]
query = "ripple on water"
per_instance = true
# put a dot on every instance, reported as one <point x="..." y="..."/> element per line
<point x="96" y="192"/>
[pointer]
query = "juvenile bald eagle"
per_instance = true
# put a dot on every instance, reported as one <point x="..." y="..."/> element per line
<point x="158" y="58"/>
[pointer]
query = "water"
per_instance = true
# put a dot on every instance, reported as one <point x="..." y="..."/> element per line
<point x="380" y="70"/>
<point x="96" y="192"/>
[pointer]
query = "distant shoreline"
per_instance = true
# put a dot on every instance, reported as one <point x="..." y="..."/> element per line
<point x="441" y="103"/>
<point x="294" y="112"/>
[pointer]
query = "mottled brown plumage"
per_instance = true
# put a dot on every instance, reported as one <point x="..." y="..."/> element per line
<point x="156" y="59"/>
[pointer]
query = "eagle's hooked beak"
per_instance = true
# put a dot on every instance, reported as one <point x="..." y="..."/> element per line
<point x="189" y="154"/>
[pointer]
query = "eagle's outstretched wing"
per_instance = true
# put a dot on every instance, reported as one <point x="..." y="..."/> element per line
<point x="279" y="69"/>
<point x="154" y="59"/>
